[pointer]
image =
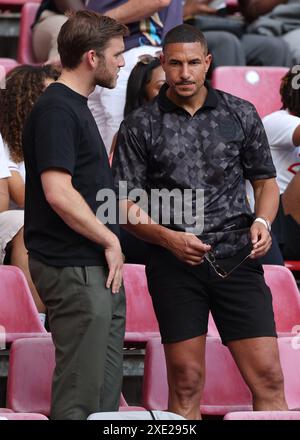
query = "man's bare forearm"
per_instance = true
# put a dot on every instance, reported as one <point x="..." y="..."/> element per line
<point x="147" y="229"/>
<point x="135" y="10"/>
<point x="266" y="194"/>
<point x="252" y="9"/>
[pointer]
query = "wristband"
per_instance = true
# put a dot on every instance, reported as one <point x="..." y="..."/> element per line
<point x="265" y="222"/>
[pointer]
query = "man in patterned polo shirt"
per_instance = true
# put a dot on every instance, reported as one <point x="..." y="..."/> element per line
<point x="193" y="137"/>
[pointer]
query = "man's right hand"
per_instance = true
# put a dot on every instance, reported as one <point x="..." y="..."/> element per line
<point x="186" y="247"/>
<point x="114" y="258"/>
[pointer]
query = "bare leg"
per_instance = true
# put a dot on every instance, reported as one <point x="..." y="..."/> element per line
<point x="259" y="364"/>
<point x="19" y="258"/>
<point x="186" y="371"/>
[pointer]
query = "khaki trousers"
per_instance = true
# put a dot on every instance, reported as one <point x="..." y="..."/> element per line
<point x="87" y="323"/>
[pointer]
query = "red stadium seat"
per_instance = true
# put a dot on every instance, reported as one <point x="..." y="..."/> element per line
<point x="15" y="5"/>
<point x="30" y="371"/>
<point x="294" y="266"/>
<point x="21" y="416"/>
<point x="141" y="323"/>
<point x="263" y="415"/>
<point x="259" y="85"/>
<point x="8" y="64"/>
<point x="286" y="300"/>
<point x="19" y="317"/>
<point x="25" y="51"/>
<point x="224" y="390"/>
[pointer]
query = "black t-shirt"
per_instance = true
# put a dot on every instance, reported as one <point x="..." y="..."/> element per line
<point x="61" y="133"/>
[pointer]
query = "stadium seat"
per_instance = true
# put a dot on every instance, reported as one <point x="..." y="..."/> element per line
<point x="141" y="323"/>
<point x="25" y="51"/>
<point x="263" y="415"/>
<point x="31" y="366"/>
<point x="259" y="85"/>
<point x="15" y="5"/>
<point x="224" y="390"/>
<point x="286" y="300"/>
<point x="19" y="317"/>
<point x="22" y="416"/>
<point x="293" y="265"/>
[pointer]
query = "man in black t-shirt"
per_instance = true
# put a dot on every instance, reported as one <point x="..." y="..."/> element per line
<point x="196" y="146"/>
<point x="75" y="260"/>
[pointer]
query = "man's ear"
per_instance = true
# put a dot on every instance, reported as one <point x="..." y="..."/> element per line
<point x="91" y="57"/>
<point x="208" y="61"/>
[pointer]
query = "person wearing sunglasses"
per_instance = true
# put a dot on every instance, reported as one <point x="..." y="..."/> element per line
<point x="203" y="143"/>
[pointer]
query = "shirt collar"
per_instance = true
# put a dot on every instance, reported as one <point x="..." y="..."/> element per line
<point x="166" y="105"/>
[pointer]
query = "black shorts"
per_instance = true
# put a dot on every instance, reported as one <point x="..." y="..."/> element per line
<point x="183" y="295"/>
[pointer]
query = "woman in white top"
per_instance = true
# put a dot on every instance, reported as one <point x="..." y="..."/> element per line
<point x="283" y="131"/>
<point x="24" y="85"/>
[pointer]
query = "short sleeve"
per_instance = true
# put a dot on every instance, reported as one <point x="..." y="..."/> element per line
<point x="256" y="156"/>
<point x="130" y="161"/>
<point x="56" y="140"/>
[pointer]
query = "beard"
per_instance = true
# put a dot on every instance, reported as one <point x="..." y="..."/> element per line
<point x="104" y="77"/>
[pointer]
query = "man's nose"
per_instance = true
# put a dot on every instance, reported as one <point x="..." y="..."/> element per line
<point x="185" y="73"/>
<point x="122" y="61"/>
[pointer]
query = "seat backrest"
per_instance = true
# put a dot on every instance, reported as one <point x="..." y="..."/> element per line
<point x="30" y="371"/>
<point x="286" y="297"/>
<point x="25" y="50"/>
<point x="140" y="316"/>
<point x="224" y="389"/>
<point x="263" y="415"/>
<point x="259" y="85"/>
<point x="18" y="313"/>
<point x="31" y="366"/>
<point x="8" y="64"/>
<point x="286" y="300"/>
<point x="22" y="416"/>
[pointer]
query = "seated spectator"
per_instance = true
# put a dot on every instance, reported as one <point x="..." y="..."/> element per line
<point x="143" y="85"/>
<point x="24" y="85"/>
<point x="283" y="131"/>
<point x="275" y="17"/>
<point x="48" y="21"/>
<point x="11" y="231"/>
<point x="228" y="41"/>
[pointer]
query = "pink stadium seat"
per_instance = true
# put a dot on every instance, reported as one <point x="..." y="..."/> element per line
<point x="294" y="266"/>
<point x="19" y="317"/>
<point x="263" y="415"/>
<point x="8" y="64"/>
<point x="286" y="300"/>
<point x="224" y="391"/>
<point x="25" y="51"/>
<point x="141" y="323"/>
<point x="30" y="371"/>
<point x="22" y="416"/>
<point x="259" y="85"/>
<point x="15" y="5"/>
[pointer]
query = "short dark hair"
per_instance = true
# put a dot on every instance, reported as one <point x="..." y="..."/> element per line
<point x="139" y="77"/>
<point x="185" y="33"/>
<point x="83" y="31"/>
<point x="290" y="96"/>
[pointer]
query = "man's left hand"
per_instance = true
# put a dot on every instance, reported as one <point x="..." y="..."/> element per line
<point x="261" y="240"/>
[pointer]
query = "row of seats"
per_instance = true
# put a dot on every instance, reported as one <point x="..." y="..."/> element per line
<point x="32" y="363"/>
<point x="19" y="317"/>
